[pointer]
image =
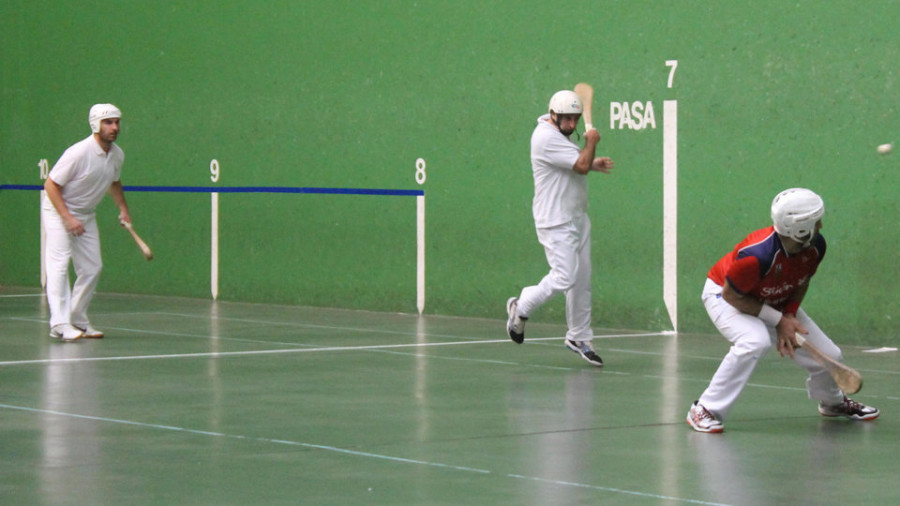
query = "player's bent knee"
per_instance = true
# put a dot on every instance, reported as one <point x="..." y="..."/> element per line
<point x="562" y="282"/>
<point x="754" y="345"/>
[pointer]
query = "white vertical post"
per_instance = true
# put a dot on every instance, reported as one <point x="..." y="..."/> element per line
<point x="420" y="253"/>
<point x="670" y="209"/>
<point x="214" y="231"/>
<point x="214" y="242"/>
<point x="44" y="167"/>
<point x="43" y="243"/>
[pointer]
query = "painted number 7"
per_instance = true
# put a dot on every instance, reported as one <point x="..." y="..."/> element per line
<point x="673" y="64"/>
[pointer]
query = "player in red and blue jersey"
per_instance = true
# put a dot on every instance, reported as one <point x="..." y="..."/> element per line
<point x="753" y="296"/>
<point x="760" y="268"/>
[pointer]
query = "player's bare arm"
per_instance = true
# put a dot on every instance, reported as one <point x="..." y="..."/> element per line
<point x="786" y="328"/>
<point x="787" y="332"/>
<point x="54" y="193"/>
<point x="118" y="196"/>
<point x="586" y="157"/>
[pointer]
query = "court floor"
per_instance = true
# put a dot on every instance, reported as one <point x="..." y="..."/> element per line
<point x="191" y="401"/>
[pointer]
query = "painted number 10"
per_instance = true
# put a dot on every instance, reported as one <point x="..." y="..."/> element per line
<point x="44" y="165"/>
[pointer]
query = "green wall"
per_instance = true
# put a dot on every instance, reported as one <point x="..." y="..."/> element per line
<point x="771" y="94"/>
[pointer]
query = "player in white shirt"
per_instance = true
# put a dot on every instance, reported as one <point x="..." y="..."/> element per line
<point x="76" y="184"/>
<point x="560" y="170"/>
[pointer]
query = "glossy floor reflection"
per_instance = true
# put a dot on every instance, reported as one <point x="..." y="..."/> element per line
<point x="194" y="402"/>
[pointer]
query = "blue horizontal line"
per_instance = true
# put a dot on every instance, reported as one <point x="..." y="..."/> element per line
<point x="245" y="189"/>
<point x="21" y="187"/>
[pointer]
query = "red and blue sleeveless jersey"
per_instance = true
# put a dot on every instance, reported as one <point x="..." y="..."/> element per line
<point x="759" y="267"/>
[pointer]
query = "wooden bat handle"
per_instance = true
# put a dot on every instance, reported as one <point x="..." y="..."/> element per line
<point x="848" y="379"/>
<point x="145" y="250"/>
<point x="586" y="92"/>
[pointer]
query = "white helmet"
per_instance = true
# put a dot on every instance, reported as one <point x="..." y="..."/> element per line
<point x="566" y="102"/>
<point x="795" y="212"/>
<point x="100" y="112"/>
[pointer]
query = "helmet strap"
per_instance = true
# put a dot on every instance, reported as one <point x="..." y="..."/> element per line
<point x="554" y="118"/>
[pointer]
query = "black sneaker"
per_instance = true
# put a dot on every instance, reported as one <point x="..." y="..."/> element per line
<point x="584" y="349"/>
<point x="851" y="409"/>
<point x="515" y="325"/>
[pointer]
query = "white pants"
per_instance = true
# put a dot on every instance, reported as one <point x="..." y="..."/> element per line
<point x="69" y="305"/>
<point x="568" y="250"/>
<point x="751" y="339"/>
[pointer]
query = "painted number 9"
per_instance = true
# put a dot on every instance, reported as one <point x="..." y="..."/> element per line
<point x="214" y="170"/>
<point x="420" y="171"/>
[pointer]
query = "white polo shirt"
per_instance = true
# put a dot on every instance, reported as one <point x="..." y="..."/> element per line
<point x="560" y="193"/>
<point x="85" y="173"/>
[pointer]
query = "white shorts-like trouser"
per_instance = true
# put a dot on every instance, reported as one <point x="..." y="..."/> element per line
<point x="568" y="251"/>
<point x="69" y="305"/>
<point x="751" y="339"/>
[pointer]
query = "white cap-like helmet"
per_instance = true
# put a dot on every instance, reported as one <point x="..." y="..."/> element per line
<point x="795" y="212"/>
<point x="101" y="112"/>
<point x="566" y="102"/>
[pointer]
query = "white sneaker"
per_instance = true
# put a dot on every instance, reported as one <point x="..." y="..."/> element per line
<point x="90" y="332"/>
<point x="702" y="420"/>
<point x="515" y="325"/>
<point x="66" y="332"/>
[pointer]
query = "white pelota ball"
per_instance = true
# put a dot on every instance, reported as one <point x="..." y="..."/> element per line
<point x="885" y="149"/>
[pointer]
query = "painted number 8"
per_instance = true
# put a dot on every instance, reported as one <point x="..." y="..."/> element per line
<point x="420" y="171"/>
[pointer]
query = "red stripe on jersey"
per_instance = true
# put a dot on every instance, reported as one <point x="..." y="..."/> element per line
<point x="759" y="267"/>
